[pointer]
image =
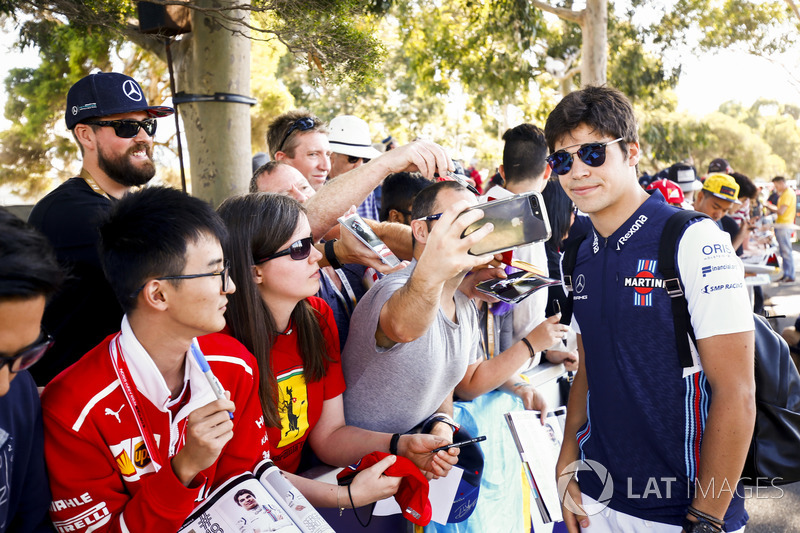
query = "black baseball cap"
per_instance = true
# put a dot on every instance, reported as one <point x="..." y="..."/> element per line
<point x="107" y="93"/>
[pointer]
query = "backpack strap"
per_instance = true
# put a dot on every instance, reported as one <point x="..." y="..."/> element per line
<point x="567" y="267"/>
<point x="667" y="246"/>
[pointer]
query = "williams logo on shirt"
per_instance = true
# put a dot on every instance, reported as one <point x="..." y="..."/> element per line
<point x="644" y="282"/>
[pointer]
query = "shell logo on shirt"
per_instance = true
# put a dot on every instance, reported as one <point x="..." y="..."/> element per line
<point x="132" y="458"/>
<point x="292" y="406"/>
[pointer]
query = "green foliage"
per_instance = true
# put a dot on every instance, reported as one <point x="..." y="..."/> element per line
<point x="668" y="137"/>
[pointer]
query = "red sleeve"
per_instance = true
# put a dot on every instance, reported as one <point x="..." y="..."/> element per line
<point x="88" y="491"/>
<point x="237" y="370"/>
<point x="334" y="378"/>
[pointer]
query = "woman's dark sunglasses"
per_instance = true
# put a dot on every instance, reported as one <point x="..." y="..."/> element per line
<point x="28" y="356"/>
<point x="128" y="128"/>
<point x="298" y="251"/>
<point x="592" y="154"/>
<point x="302" y="124"/>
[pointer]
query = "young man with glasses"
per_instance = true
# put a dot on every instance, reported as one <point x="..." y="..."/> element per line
<point x="301" y="140"/>
<point x="113" y="125"/>
<point x="135" y="435"/>
<point x="29" y="274"/>
<point x="632" y="411"/>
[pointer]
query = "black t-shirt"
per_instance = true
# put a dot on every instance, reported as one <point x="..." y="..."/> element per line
<point x="729" y="226"/>
<point x="85" y="310"/>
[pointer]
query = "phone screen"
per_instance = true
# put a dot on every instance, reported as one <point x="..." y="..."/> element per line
<point x="356" y="225"/>
<point x="518" y="220"/>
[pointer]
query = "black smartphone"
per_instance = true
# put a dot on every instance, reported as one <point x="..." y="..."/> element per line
<point x="459" y="444"/>
<point x="518" y="220"/>
<point x="356" y="225"/>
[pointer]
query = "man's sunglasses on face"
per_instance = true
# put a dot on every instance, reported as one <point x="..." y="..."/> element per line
<point x="28" y="356"/>
<point x="302" y="124"/>
<point x="354" y="159"/>
<point x="592" y="154"/>
<point x="128" y="128"/>
<point x="298" y="251"/>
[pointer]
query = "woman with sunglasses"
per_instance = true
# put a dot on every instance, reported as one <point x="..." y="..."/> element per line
<point x="294" y="339"/>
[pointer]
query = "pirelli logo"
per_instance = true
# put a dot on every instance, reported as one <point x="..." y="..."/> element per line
<point x="94" y="516"/>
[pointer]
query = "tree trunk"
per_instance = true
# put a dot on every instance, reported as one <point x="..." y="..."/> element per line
<point x="209" y="60"/>
<point x="594" y="51"/>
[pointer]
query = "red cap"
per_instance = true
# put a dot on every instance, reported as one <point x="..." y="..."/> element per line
<point x="672" y="191"/>
<point x="412" y="496"/>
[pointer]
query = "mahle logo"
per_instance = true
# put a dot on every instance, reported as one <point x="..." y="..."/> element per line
<point x="568" y="474"/>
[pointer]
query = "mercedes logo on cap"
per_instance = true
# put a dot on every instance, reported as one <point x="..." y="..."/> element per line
<point x="580" y="283"/>
<point x="74" y="110"/>
<point x="131" y="90"/>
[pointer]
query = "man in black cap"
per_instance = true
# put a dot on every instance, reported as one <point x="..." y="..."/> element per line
<point x="114" y="127"/>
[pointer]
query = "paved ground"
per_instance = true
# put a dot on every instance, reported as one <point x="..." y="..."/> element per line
<point x="776" y="510"/>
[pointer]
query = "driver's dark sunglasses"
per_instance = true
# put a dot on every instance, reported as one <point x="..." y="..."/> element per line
<point x="128" y="128"/>
<point x="298" y="251"/>
<point x="592" y="154"/>
<point x="28" y="356"/>
<point x="302" y="124"/>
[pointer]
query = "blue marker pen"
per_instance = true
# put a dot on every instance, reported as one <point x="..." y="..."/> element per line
<point x="216" y="386"/>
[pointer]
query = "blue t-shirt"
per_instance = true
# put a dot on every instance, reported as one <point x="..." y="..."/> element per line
<point x="24" y="489"/>
<point x="645" y="420"/>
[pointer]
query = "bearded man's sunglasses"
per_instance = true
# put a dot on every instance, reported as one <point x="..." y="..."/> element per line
<point x="128" y="128"/>
<point x="592" y="154"/>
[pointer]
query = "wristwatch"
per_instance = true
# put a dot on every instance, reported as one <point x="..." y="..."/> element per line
<point x="701" y="526"/>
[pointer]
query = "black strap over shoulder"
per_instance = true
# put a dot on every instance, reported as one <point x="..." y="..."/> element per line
<point x="567" y="267"/>
<point x="673" y="230"/>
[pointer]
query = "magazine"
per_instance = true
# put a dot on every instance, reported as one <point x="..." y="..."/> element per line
<point x="258" y="502"/>
<point x="516" y="287"/>
<point x="539" y="446"/>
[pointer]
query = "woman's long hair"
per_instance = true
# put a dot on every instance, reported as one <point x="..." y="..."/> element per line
<point x="259" y="224"/>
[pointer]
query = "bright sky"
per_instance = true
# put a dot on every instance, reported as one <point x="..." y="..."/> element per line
<point x="710" y="80"/>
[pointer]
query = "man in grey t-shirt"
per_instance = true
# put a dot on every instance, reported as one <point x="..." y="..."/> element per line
<point x="413" y="334"/>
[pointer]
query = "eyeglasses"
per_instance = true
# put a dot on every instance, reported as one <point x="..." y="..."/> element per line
<point x="302" y="124"/>
<point x="298" y="251"/>
<point x="128" y="128"/>
<point x="592" y="154"/>
<point x="428" y="218"/>
<point x="28" y="356"/>
<point x="354" y="159"/>
<point x="224" y="274"/>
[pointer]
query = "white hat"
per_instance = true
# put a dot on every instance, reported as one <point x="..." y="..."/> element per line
<point x="349" y="135"/>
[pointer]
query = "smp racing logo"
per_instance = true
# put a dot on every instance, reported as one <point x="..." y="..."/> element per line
<point x="644" y="282"/>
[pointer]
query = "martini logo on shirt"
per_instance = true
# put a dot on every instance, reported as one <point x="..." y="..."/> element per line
<point x="644" y="282"/>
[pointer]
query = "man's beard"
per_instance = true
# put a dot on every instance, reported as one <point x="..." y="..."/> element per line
<point x="122" y="170"/>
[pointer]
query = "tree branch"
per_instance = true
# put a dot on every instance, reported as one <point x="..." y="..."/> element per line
<point x="794" y="8"/>
<point x="561" y="12"/>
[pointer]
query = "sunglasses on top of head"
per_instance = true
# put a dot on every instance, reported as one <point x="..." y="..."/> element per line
<point x="128" y="128"/>
<point x="592" y="154"/>
<point x="298" y="251"/>
<point x="302" y="124"/>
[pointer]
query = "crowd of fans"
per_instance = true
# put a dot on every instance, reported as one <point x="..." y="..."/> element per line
<point x="326" y="352"/>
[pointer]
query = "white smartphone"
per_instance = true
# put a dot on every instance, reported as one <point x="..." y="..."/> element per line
<point x="356" y="225"/>
<point x="518" y="220"/>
